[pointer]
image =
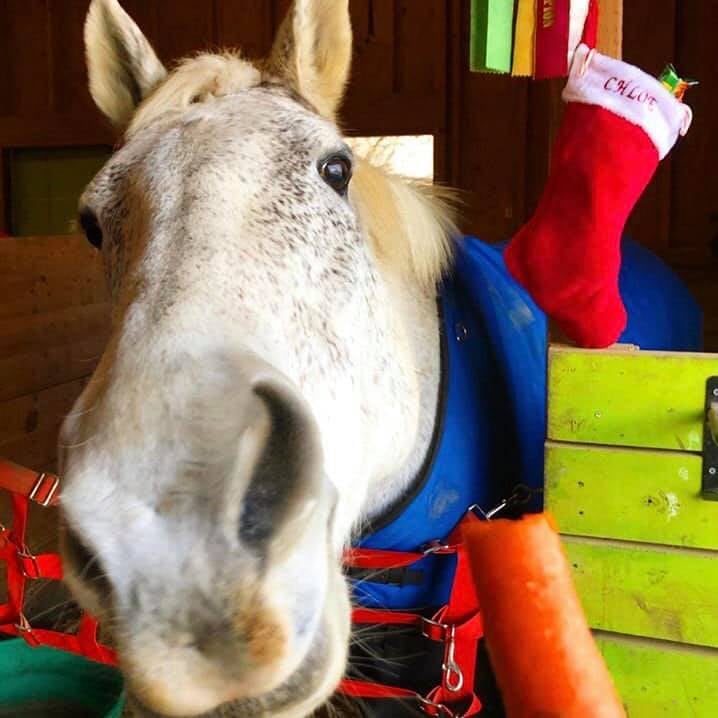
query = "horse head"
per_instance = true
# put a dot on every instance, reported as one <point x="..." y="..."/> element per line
<point x="271" y="373"/>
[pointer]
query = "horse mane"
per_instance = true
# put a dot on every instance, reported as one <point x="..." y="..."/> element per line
<point x="410" y="224"/>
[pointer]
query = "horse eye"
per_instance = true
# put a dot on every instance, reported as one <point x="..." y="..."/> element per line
<point x="336" y="171"/>
<point x="91" y="228"/>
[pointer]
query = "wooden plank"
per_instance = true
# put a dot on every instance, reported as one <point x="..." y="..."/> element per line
<point x="421" y="68"/>
<point x="29" y="373"/>
<point x="24" y="335"/>
<point x="610" y="31"/>
<point x="37" y="295"/>
<point x="48" y="256"/>
<point x="494" y="111"/>
<point x="245" y="24"/>
<point x="37" y="412"/>
<point x="44" y="274"/>
<point x="37" y="449"/>
<point x="24" y="26"/>
<point x="619" y="398"/>
<point x="658" y="679"/>
<point x="390" y="115"/>
<point x="630" y="494"/>
<point x="544" y="113"/>
<point x="448" y="167"/>
<point x="695" y="173"/>
<point x="650" y="222"/>
<point x="184" y="29"/>
<point x="650" y="591"/>
<point x="373" y="24"/>
<point x="69" y="94"/>
<point x="52" y="130"/>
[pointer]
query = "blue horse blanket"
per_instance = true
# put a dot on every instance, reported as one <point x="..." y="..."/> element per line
<point x="491" y="421"/>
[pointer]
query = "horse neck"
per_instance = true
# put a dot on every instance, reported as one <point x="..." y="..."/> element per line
<point x="416" y="311"/>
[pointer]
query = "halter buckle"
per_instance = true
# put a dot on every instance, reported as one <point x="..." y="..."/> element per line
<point x="433" y="708"/>
<point x="50" y="494"/>
<point x="25" y="554"/>
<point x="427" y="630"/>
<point x="23" y="625"/>
<point x="437" y="547"/>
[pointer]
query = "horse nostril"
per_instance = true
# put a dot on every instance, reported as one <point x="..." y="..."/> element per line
<point x="287" y="473"/>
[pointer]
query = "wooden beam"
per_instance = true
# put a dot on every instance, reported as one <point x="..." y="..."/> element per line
<point x="27" y="415"/>
<point x="652" y="591"/>
<point x="618" y="398"/>
<point x="660" y="678"/>
<point x="28" y="373"/>
<point x="630" y="494"/>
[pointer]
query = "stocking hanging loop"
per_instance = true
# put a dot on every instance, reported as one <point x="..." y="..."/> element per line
<point x="586" y="63"/>
<point x="687" y="120"/>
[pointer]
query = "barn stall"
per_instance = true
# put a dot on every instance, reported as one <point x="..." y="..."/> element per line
<point x="488" y="135"/>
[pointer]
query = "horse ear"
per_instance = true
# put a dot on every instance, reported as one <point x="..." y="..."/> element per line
<point x="122" y="66"/>
<point x="313" y="52"/>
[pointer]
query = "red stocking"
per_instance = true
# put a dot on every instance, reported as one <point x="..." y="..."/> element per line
<point x="619" y="123"/>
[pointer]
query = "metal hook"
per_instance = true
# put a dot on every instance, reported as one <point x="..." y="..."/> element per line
<point x="451" y="667"/>
<point x="24" y="625"/>
<point x="521" y="495"/>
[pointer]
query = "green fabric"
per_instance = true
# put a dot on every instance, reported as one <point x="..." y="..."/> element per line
<point x="33" y="675"/>
<point x="492" y="29"/>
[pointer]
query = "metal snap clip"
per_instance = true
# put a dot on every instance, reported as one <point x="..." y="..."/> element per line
<point x="453" y="676"/>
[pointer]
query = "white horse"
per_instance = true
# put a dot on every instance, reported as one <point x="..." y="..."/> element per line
<point x="271" y="381"/>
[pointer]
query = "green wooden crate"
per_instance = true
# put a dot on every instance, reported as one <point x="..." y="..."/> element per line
<point x="624" y="480"/>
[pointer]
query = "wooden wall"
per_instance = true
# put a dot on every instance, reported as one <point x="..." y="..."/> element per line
<point x="53" y="327"/>
<point x="399" y="72"/>
<point x="493" y="140"/>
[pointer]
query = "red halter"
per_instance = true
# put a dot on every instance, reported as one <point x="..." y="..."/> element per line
<point x="23" y="566"/>
<point x="457" y="625"/>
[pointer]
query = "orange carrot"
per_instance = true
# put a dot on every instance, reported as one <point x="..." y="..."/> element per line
<point x="546" y="662"/>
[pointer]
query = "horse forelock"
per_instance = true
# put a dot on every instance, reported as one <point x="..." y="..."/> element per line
<point x="409" y="224"/>
<point x="195" y="80"/>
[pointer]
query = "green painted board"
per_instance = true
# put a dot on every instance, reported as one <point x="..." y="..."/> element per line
<point x="655" y="592"/>
<point x="657" y="679"/>
<point x="492" y="32"/>
<point x="630" y="494"/>
<point x="624" y="398"/>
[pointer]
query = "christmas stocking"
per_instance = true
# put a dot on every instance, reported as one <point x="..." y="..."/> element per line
<point x="619" y="123"/>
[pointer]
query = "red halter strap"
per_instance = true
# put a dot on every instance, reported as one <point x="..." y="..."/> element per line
<point x="457" y="625"/>
<point x="40" y="488"/>
<point x="23" y="566"/>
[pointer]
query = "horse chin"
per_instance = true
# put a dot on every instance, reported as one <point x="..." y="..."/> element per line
<point x="309" y="687"/>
